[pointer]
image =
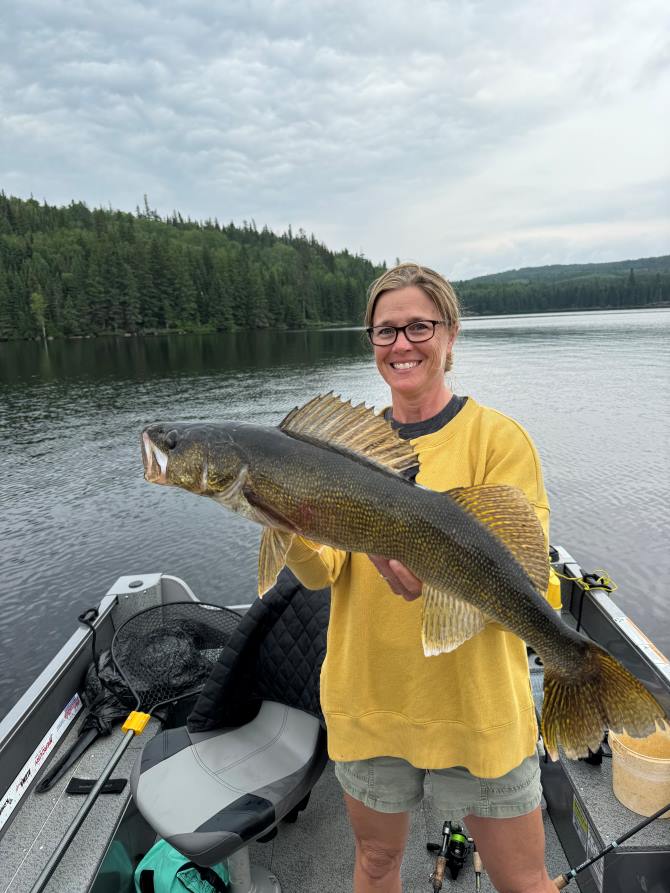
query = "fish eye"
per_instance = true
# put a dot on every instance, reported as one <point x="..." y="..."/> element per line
<point x="171" y="440"/>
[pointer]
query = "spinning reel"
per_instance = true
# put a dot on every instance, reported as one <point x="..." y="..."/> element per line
<point x="452" y="853"/>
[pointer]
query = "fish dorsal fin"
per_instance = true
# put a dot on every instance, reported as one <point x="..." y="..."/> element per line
<point x="447" y="621"/>
<point x="507" y="512"/>
<point x="334" y="422"/>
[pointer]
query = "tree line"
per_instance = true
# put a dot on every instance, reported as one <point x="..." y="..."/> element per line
<point x="594" y="292"/>
<point x="75" y="271"/>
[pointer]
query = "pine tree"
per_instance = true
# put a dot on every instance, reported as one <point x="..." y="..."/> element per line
<point x="220" y="295"/>
<point x="184" y="306"/>
<point x="95" y="296"/>
<point x="38" y="306"/>
<point x="7" y="326"/>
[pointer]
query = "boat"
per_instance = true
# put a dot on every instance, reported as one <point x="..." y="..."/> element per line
<point x="315" y="852"/>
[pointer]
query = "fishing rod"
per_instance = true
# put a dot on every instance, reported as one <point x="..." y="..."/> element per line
<point x="478" y="866"/>
<point x="563" y="880"/>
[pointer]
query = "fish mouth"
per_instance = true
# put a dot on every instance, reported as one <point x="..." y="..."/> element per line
<point x="155" y="461"/>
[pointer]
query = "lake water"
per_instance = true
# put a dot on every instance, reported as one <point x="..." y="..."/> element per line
<point x="75" y="513"/>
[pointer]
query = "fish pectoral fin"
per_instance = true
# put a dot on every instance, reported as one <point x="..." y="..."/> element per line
<point x="508" y="514"/>
<point x="272" y="557"/>
<point x="448" y="621"/>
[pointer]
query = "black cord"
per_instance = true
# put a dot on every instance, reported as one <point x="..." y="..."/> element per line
<point x="581" y="609"/>
<point x="87" y="618"/>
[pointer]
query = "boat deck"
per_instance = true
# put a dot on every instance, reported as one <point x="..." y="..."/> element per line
<point x="316" y="853"/>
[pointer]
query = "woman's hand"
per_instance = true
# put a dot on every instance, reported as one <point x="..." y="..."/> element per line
<point x="400" y="579"/>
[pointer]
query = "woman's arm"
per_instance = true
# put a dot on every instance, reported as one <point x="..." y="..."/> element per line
<point x="316" y="566"/>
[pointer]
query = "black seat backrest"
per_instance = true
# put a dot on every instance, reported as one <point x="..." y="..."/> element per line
<point x="275" y="654"/>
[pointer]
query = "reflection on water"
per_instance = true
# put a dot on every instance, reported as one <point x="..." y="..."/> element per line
<point x="142" y="359"/>
<point x="592" y="389"/>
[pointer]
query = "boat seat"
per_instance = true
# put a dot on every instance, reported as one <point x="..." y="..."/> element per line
<point x="255" y="742"/>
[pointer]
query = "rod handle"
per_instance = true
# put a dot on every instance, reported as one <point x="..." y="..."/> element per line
<point x="561" y="881"/>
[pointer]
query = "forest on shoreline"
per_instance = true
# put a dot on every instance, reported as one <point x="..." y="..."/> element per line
<point x="76" y="272"/>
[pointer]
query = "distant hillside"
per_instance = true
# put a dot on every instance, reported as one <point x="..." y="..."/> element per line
<point x="626" y="283"/>
<point x="560" y="272"/>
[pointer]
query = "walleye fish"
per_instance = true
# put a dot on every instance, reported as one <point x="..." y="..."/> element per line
<point x="332" y="472"/>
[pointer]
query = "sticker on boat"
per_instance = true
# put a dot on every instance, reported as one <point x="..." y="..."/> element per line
<point x="14" y="794"/>
<point x="579" y="822"/>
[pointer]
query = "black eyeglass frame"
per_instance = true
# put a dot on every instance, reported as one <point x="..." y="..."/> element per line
<point x="435" y="322"/>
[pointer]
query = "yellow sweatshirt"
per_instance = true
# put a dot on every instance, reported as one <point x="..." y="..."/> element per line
<point x="380" y="695"/>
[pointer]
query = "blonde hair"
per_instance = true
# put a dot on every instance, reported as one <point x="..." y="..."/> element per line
<point x="432" y="284"/>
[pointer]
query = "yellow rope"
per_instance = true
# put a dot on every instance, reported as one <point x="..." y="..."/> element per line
<point x="604" y="580"/>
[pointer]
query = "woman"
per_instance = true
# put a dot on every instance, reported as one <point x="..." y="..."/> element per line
<point x="467" y="717"/>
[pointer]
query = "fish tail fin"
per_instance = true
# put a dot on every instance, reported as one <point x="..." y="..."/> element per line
<point x="601" y="695"/>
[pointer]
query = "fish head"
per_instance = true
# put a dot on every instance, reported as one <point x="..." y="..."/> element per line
<point x="201" y="458"/>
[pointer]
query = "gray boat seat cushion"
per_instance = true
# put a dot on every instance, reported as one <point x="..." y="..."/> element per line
<point x="255" y="743"/>
<point x="210" y="793"/>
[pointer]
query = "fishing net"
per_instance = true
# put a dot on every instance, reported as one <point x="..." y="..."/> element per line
<point x="166" y="653"/>
<point x="159" y="656"/>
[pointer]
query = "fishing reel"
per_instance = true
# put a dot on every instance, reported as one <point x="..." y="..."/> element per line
<point x="452" y="853"/>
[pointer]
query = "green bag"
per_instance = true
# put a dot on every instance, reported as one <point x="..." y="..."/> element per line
<point x="165" y="870"/>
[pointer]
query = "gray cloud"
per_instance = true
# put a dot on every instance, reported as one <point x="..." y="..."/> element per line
<point x="471" y="135"/>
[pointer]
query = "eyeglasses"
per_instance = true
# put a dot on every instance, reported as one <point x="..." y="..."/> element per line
<point x="421" y="330"/>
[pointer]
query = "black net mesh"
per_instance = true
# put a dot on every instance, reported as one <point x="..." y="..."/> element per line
<point x="167" y="652"/>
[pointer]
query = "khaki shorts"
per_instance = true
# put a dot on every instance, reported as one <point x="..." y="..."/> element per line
<point x="389" y="784"/>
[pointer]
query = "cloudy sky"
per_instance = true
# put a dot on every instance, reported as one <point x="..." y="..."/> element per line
<point x="471" y="136"/>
